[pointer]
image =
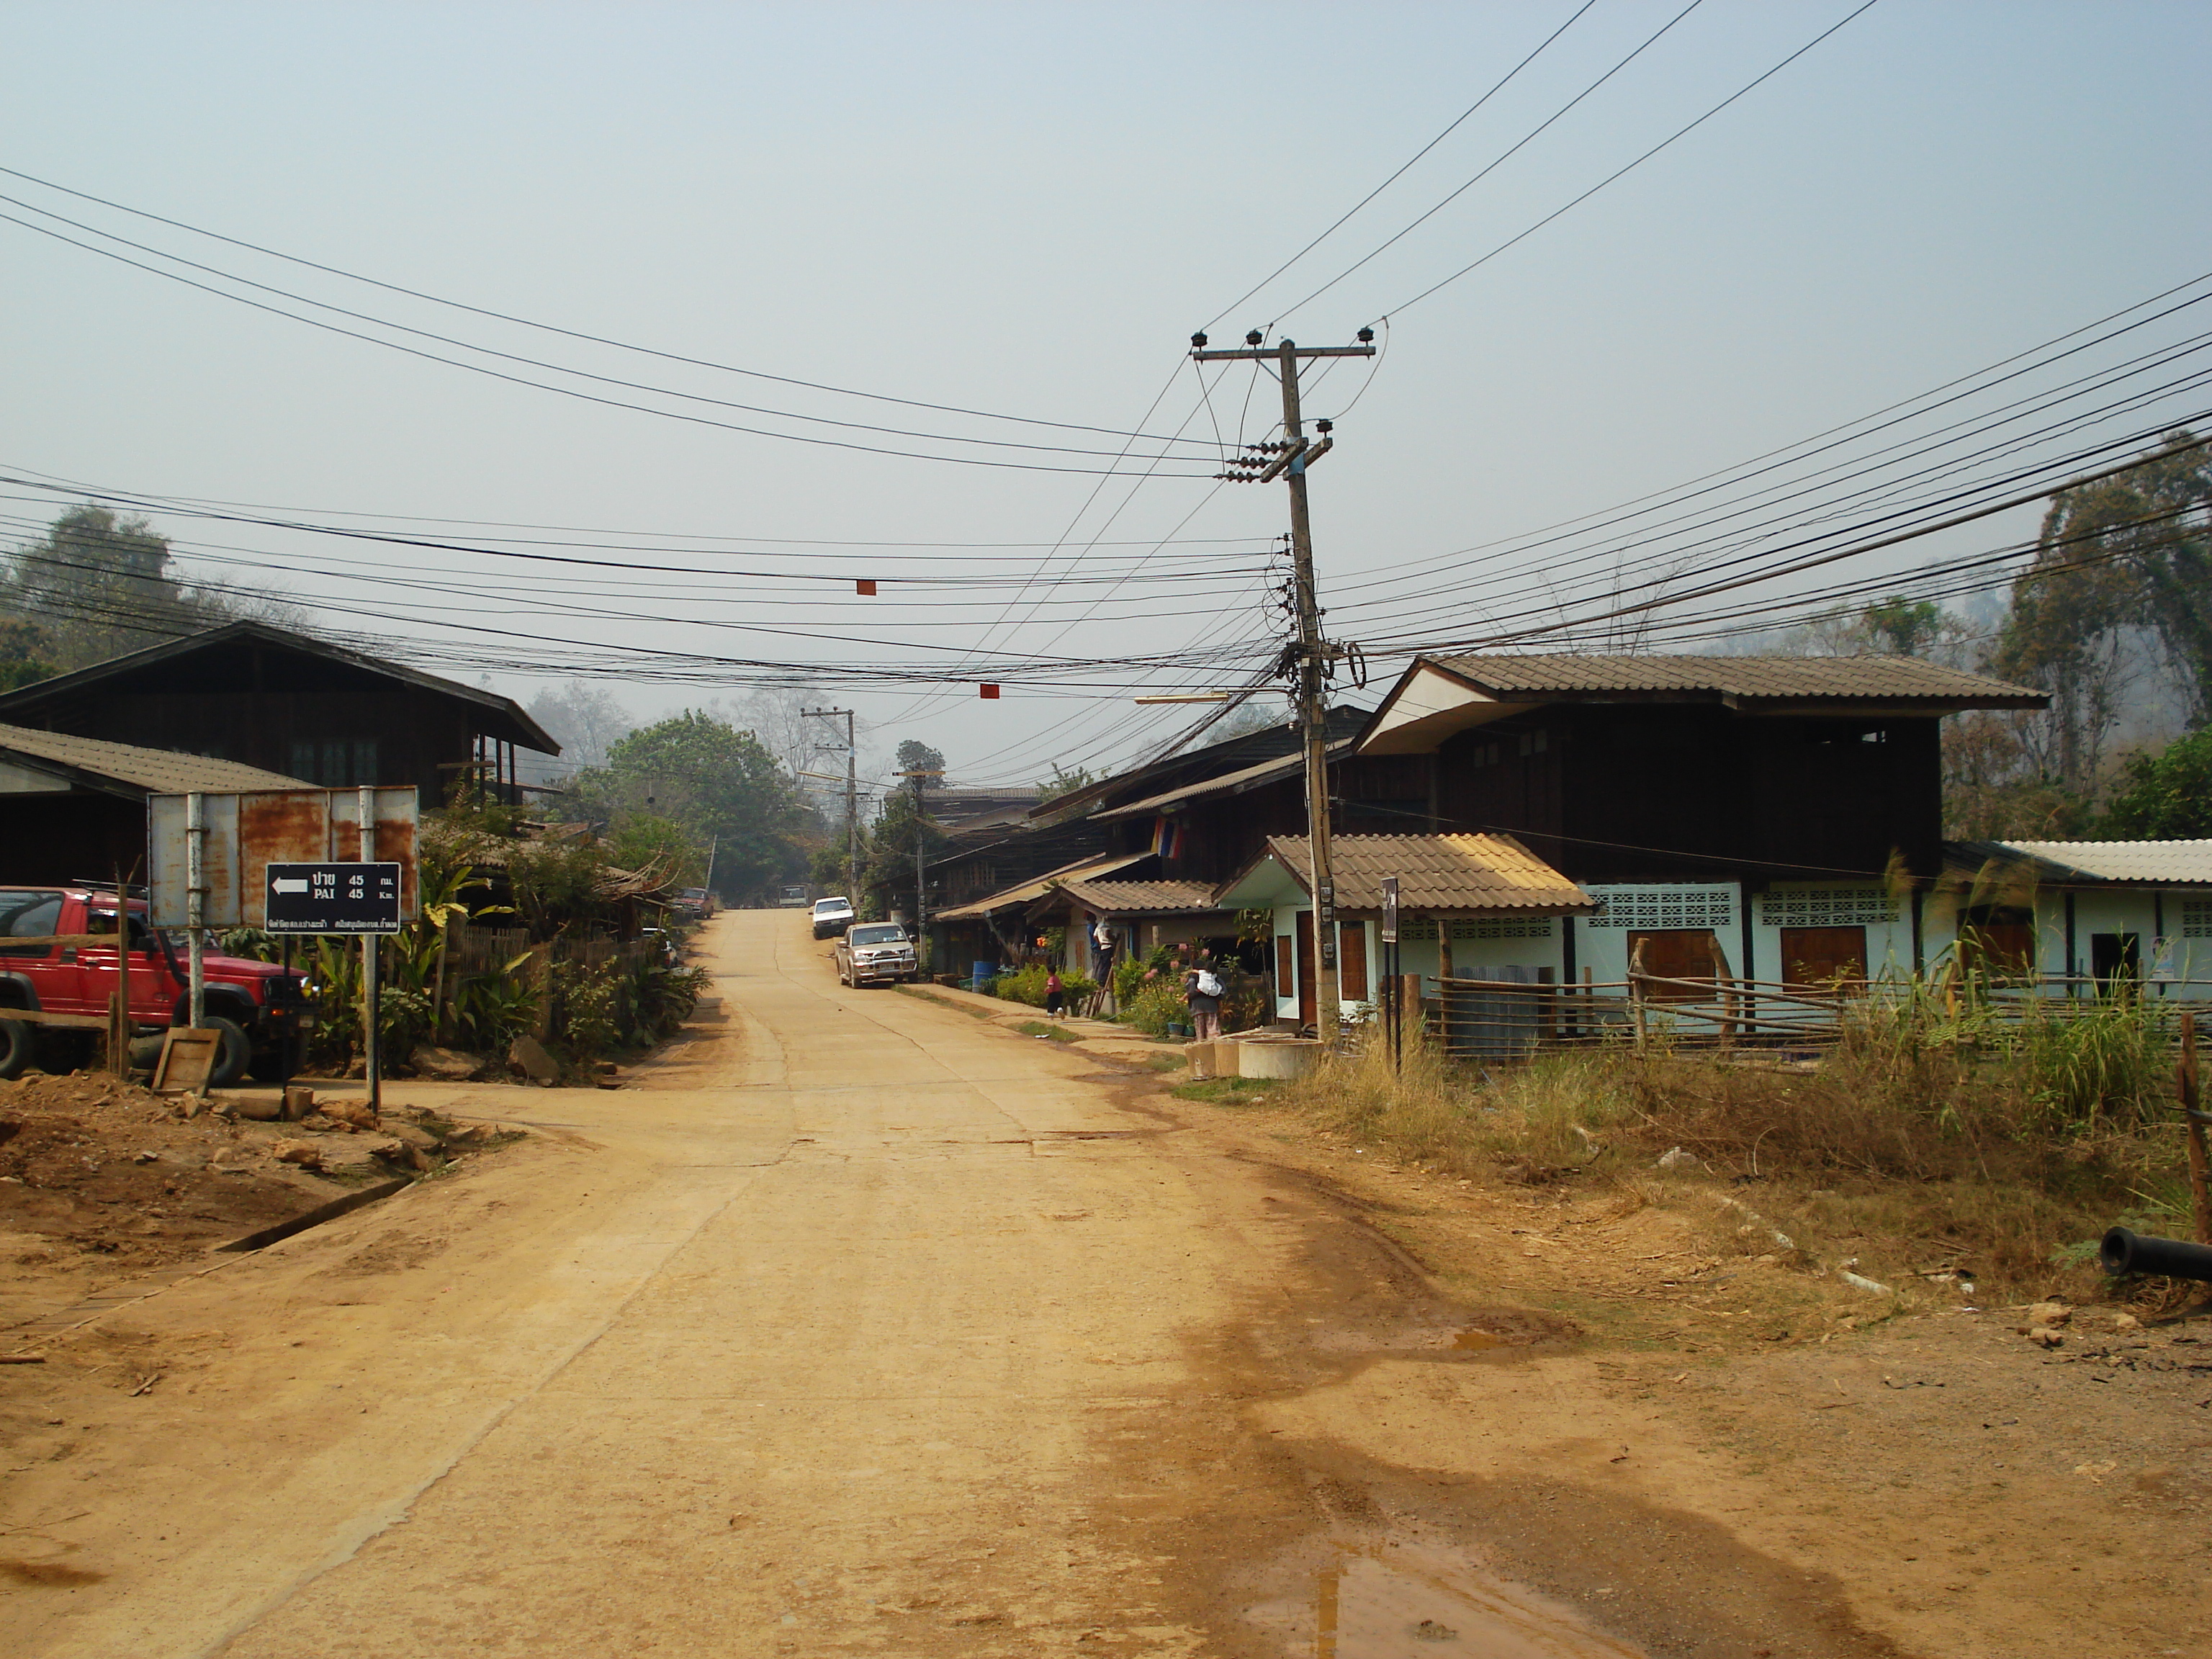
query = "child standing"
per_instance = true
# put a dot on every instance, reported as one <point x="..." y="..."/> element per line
<point x="1055" y="994"/>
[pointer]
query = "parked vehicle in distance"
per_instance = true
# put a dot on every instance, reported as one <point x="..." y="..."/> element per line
<point x="58" y="992"/>
<point x="832" y="916"/>
<point x="876" y="953"/>
<point x="792" y="899"/>
<point x="693" y="903"/>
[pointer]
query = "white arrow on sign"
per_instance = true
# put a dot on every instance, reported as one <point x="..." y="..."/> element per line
<point x="292" y="884"/>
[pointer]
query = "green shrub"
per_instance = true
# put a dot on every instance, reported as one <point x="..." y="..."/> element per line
<point x="1027" y="985"/>
<point x="1157" y="1003"/>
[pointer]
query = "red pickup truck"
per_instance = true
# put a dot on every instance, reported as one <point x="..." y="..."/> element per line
<point x="60" y="992"/>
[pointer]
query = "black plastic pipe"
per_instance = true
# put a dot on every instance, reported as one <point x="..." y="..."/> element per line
<point x="2123" y="1252"/>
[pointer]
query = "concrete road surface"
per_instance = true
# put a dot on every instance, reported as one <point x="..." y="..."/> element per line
<point x="856" y="1325"/>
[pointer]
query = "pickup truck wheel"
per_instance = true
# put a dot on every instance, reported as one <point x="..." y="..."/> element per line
<point x="19" y="1042"/>
<point x="281" y="1061"/>
<point x="234" y="1055"/>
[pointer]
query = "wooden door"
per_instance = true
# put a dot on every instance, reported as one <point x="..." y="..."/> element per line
<point x="1308" y="1002"/>
<point x="1286" y="976"/>
<point x="1677" y="953"/>
<point x="1351" y="961"/>
<point x="2003" y="950"/>
<point x="1823" y="956"/>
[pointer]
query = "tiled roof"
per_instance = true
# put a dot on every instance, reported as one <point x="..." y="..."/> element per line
<point x="1038" y="887"/>
<point x="1146" y="898"/>
<point x="1436" y="872"/>
<point x="1856" y="679"/>
<point x="2184" y="863"/>
<point x="159" y="771"/>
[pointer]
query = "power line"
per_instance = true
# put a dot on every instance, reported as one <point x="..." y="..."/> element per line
<point x="561" y="391"/>
<point x="1495" y="88"/>
<point x="1680" y="132"/>
<point x="550" y="328"/>
<point x="1525" y="140"/>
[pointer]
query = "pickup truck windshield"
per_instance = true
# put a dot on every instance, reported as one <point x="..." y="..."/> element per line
<point x="888" y="932"/>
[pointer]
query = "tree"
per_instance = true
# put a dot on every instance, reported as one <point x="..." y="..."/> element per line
<point x="1902" y="628"/>
<point x="1065" y="781"/>
<point x="583" y="719"/>
<point x="2120" y="563"/>
<point x="887" y="857"/>
<point x="96" y="586"/>
<point x="24" y="655"/>
<point x="719" y="783"/>
<point x="914" y="756"/>
<point x="2167" y="797"/>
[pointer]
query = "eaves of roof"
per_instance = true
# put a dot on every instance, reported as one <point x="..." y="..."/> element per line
<point x="125" y="768"/>
<point x="1037" y="886"/>
<point x="499" y="711"/>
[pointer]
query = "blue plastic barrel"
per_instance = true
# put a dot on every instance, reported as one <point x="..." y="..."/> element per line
<point x="984" y="971"/>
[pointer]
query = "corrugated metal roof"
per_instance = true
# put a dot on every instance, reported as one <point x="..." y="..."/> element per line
<point x="1435" y="872"/>
<point x="1250" y="777"/>
<point x="2177" y="863"/>
<point x="1856" y="679"/>
<point x="159" y="771"/>
<point x="1040" y="886"/>
<point x="1140" y="897"/>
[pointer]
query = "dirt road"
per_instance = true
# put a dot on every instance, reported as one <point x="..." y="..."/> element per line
<point x="859" y="1325"/>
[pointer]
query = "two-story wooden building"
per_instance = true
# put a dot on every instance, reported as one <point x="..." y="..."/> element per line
<point x="1780" y="816"/>
<point x="286" y="702"/>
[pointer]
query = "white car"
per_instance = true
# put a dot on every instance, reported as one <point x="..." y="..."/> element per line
<point x="832" y="916"/>
<point x="876" y="952"/>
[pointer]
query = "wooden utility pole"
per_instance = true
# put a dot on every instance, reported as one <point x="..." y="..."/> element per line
<point x="1289" y="459"/>
<point x="2193" y="1119"/>
<point x="920" y="877"/>
<point x="852" y="798"/>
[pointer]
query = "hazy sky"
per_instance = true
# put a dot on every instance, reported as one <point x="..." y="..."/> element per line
<point x="1027" y="210"/>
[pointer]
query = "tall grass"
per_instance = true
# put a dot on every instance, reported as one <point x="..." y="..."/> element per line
<point x="1933" y="1129"/>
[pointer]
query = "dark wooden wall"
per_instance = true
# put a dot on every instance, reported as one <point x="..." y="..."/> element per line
<point x="336" y="738"/>
<point x="76" y="837"/>
<point x="1632" y="793"/>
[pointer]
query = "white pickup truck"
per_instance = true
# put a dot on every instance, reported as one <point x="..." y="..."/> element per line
<point x="874" y="953"/>
<point x="832" y="916"/>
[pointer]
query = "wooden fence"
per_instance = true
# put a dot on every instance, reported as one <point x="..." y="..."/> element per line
<point x="1519" y="1012"/>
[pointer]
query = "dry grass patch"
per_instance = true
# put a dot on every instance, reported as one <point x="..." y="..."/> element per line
<point x="1903" y="1159"/>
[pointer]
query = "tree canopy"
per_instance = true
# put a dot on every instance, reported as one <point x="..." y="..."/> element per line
<point x="718" y="784"/>
<point x="98" y="584"/>
<point x="2166" y="797"/>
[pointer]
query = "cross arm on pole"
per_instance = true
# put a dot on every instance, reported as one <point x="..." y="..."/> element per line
<point x="1276" y="352"/>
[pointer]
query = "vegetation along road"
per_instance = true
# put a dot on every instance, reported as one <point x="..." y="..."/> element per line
<point x="858" y="1324"/>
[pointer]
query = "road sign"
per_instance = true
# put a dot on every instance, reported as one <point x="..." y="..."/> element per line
<point x="243" y="832"/>
<point x="332" y="898"/>
<point x="1389" y="909"/>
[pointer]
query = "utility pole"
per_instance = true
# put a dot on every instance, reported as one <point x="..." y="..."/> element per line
<point x="921" y="887"/>
<point x="852" y="798"/>
<point x="1315" y="657"/>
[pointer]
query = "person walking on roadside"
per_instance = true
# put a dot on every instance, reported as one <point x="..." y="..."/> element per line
<point x="1056" y="995"/>
<point x="1202" y="989"/>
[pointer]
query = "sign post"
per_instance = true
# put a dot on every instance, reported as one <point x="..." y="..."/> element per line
<point x="276" y="859"/>
<point x="1396" y="995"/>
<point x="335" y="896"/>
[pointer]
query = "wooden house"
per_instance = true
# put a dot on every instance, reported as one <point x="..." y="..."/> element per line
<point x="286" y="702"/>
<point x="2081" y="916"/>
<point x="74" y="809"/>
<point x="1768" y="817"/>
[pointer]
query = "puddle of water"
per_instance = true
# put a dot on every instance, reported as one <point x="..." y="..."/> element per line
<point x="1476" y="1340"/>
<point x="1408" y="1603"/>
<point x="52" y="1573"/>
